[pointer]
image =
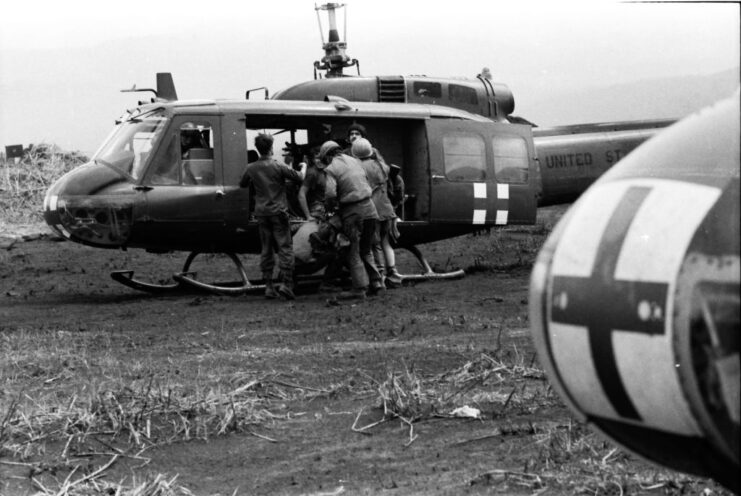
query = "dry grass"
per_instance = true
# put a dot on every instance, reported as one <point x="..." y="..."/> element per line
<point x="24" y="184"/>
<point x="485" y="386"/>
<point x="93" y="484"/>
<point x="74" y="389"/>
<point x="491" y="384"/>
<point x="69" y="396"/>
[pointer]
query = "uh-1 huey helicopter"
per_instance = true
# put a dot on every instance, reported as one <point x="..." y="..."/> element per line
<point x="467" y="163"/>
<point x="634" y="299"/>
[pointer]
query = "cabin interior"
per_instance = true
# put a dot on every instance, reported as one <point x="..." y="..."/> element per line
<point x="402" y="142"/>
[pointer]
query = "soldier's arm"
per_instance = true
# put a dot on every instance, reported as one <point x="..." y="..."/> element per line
<point x="245" y="181"/>
<point x="302" y="200"/>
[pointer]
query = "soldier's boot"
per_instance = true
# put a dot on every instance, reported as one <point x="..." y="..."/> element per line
<point x="270" y="292"/>
<point x="393" y="278"/>
<point x="377" y="287"/>
<point x="285" y="288"/>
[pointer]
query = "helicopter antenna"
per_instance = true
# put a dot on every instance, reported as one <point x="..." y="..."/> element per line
<point x="335" y="59"/>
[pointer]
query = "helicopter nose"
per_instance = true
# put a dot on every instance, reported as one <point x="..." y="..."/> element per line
<point x="611" y="303"/>
<point x="92" y="205"/>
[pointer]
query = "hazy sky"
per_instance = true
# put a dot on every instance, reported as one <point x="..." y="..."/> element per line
<point x="62" y="63"/>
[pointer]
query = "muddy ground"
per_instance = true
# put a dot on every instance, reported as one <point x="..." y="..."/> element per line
<point x="240" y="395"/>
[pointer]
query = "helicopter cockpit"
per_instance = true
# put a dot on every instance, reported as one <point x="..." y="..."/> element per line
<point x="126" y="149"/>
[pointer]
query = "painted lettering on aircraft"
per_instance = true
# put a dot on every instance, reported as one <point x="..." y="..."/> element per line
<point x="568" y="160"/>
<point x="612" y="156"/>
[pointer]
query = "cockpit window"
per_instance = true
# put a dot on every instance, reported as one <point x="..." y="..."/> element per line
<point x="197" y="153"/>
<point x="186" y="157"/>
<point x="128" y="147"/>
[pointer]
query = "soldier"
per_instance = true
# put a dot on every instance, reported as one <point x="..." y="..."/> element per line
<point x="378" y="176"/>
<point x="347" y="186"/>
<point x="311" y="194"/>
<point x="357" y="131"/>
<point x="268" y="178"/>
<point x="395" y="189"/>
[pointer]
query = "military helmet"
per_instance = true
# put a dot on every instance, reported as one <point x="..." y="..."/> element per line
<point x="361" y="148"/>
<point x="327" y="147"/>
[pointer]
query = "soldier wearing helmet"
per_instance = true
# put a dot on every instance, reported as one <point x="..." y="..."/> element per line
<point x="377" y="173"/>
<point x="347" y="188"/>
<point x="355" y="132"/>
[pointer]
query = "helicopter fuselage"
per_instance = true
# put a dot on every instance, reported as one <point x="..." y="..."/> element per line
<point x="463" y="172"/>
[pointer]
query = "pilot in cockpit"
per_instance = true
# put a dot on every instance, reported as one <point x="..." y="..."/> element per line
<point x="190" y="137"/>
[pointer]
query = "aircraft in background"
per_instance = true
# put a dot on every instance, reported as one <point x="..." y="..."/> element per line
<point x="635" y="303"/>
<point x="166" y="179"/>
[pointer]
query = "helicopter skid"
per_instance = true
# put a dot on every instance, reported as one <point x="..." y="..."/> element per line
<point x="227" y="288"/>
<point x="232" y="288"/>
<point x="433" y="276"/>
<point x="187" y="279"/>
<point x="428" y="273"/>
<point x="126" y="277"/>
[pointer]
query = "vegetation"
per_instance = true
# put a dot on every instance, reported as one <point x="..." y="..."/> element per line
<point x="24" y="184"/>
<point x="91" y="404"/>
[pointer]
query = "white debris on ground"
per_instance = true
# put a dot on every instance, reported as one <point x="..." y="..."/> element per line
<point x="466" y="412"/>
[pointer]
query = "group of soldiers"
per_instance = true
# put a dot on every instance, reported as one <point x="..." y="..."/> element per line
<point x="351" y="193"/>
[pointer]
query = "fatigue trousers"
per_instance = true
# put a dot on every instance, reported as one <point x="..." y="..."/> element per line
<point x="275" y="237"/>
<point x="382" y="233"/>
<point x="361" y="233"/>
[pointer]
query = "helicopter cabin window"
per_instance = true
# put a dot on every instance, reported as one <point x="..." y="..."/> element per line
<point x="465" y="157"/>
<point x="462" y="94"/>
<point x="510" y="159"/>
<point x="428" y="90"/>
<point x="197" y="154"/>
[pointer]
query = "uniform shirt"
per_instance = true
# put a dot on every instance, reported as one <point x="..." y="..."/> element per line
<point x="315" y="182"/>
<point x="378" y="174"/>
<point x="348" y="184"/>
<point x="268" y="177"/>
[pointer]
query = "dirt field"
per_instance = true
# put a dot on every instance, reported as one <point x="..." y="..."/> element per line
<point x="105" y="389"/>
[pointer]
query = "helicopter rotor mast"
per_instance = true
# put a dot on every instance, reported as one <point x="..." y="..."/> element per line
<point x="335" y="59"/>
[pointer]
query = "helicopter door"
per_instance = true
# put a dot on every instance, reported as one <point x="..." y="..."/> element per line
<point x="183" y="186"/>
<point x="481" y="173"/>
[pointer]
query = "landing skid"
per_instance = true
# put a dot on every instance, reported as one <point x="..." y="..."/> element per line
<point x="428" y="273"/>
<point x="186" y="279"/>
<point x="126" y="277"/>
<point x="225" y="288"/>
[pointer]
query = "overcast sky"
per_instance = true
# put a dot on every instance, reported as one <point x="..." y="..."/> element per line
<point x="62" y="63"/>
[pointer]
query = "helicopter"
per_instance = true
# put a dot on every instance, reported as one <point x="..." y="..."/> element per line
<point x="167" y="177"/>
<point x="640" y="280"/>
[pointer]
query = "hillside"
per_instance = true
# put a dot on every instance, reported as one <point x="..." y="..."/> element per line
<point x="645" y="99"/>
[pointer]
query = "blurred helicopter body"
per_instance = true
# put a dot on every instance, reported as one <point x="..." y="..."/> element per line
<point x="167" y="177"/>
<point x="635" y="300"/>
